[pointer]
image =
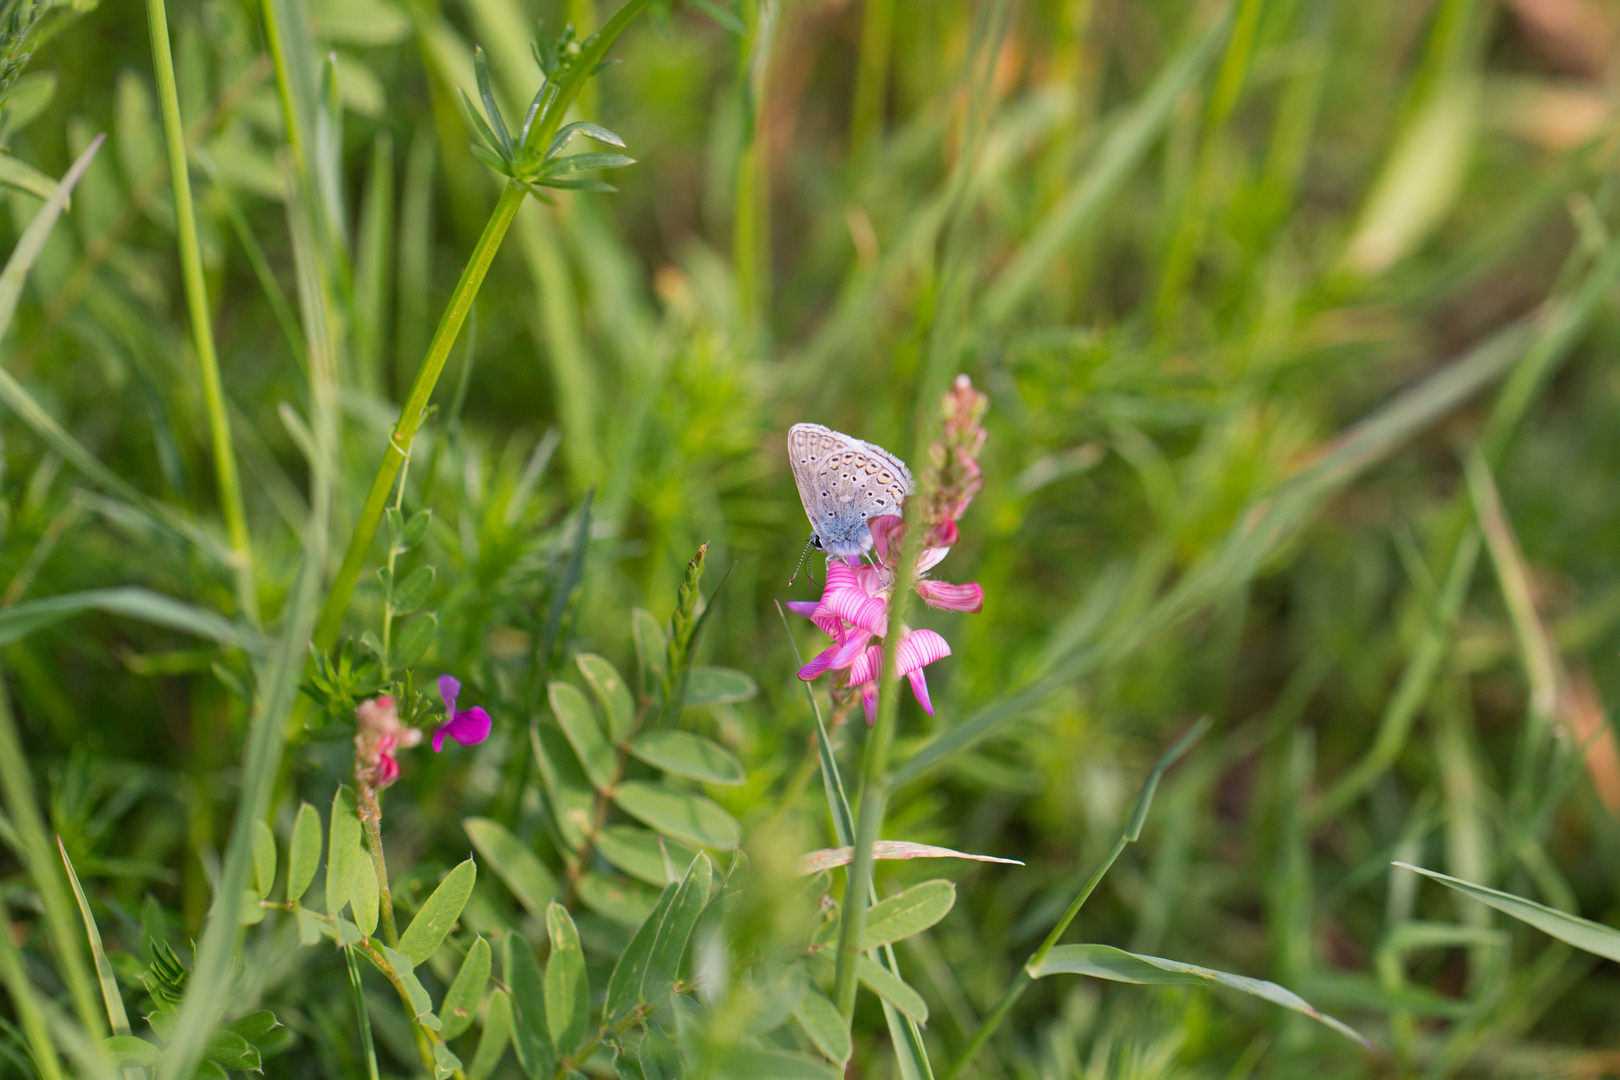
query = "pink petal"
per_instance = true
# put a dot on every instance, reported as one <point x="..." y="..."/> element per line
<point x="919" y="686"/>
<point x="948" y="597"/>
<point x="945" y="534"/>
<point x="469" y="728"/>
<point x="931" y="557"/>
<point x="869" y="702"/>
<point x="888" y="531"/>
<point x="840" y="575"/>
<point x="827" y="624"/>
<point x="387" y="770"/>
<point x="873" y="580"/>
<point x="854" y="641"/>
<point x="819" y="663"/>
<point x="807" y="608"/>
<point x="867" y="666"/>
<point x="449" y="690"/>
<point x="854" y="606"/>
<point x="919" y="648"/>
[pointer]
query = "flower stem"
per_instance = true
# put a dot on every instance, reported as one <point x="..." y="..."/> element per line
<point x="875" y="772"/>
<point x="202" y="332"/>
<point x="362" y="1016"/>
<point x="371" y="817"/>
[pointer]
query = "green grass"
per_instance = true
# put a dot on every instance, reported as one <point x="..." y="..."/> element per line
<point x="1296" y="321"/>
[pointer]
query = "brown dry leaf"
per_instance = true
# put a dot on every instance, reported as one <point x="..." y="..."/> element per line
<point x="827" y="858"/>
<point x="1589" y="726"/>
<point x="1574" y="34"/>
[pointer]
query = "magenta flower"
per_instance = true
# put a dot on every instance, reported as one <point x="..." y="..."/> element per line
<point x="469" y="727"/>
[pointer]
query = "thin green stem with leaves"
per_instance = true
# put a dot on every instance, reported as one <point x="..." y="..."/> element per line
<point x="202" y="330"/>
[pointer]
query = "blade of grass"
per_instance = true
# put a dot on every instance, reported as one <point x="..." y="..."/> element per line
<point x="202" y="331"/>
<point x="116" y="1016"/>
<point x="27" y="1004"/>
<point x="1133" y="830"/>
<point x="208" y="989"/>
<point x="362" y="1015"/>
<point x="22" y="805"/>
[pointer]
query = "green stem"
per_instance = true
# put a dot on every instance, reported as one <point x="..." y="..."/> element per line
<point x="25" y="1003"/>
<point x="371" y="816"/>
<point x="413" y="413"/>
<point x="362" y="1015"/>
<point x="202" y="331"/>
<point x="875" y="778"/>
<point x="871" y="74"/>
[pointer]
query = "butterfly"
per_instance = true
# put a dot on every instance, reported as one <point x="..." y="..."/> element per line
<point x="843" y="484"/>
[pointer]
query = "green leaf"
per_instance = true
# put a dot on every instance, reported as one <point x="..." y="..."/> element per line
<point x="518" y="868"/>
<point x="439" y="914"/>
<point x="681" y="814"/>
<point x="445" y="1062"/>
<point x="366" y="901"/>
<point x="229" y="1050"/>
<point x="718" y="686"/>
<point x="1592" y="937"/>
<point x="651" y="651"/>
<point x="343" y="852"/>
<point x="492" y="1043"/>
<point x="416" y="993"/>
<point x="891" y="988"/>
<point x="612" y="695"/>
<point x="749" y="1063"/>
<point x="131" y="1050"/>
<point x="255" y="1025"/>
<point x="24" y="177"/>
<point x="411" y="593"/>
<point x="676" y="929"/>
<point x="250" y="913"/>
<point x="1107" y="962"/>
<point x="416" y="529"/>
<point x="415" y="639"/>
<point x="461" y="1000"/>
<point x="625" y="902"/>
<point x="643" y="854"/>
<point x="573" y="803"/>
<point x="264" y="858"/>
<point x="692" y="756"/>
<point x="132" y="602"/>
<point x="309" y="927"/>
<point x="818" y="1017"/>
<point x="908" y="912"/>
<point x="568" y="991"/>
<point x="578" y="721"/>
<point x="304" y="854"/>
<point x="624" y="985"/>
<point x="530" y="1037"/>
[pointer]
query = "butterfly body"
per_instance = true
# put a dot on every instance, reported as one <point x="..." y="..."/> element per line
<point x="844" y="483"/>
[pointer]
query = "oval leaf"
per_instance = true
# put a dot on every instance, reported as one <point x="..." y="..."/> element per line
<point x="643" y="854"/>
<point x="718" y="686"/>
<point x="676" y="929"/>
<point x="342" y="851"/>
<point x="461" y="1000"/>
<point x="820" y="1020"/>
<point x="411" y="593"/>
<point x="519" y="869"/>
<point x="1107" y="962"/>
<point x="891" y="988"/>
<point x="304" y="854"/>
<point x="572" y="802"/>
<point x="414" y="640"/>
<point x="427" y="931"/>
<point x="692" y="756"/>
<point x="612" y="694"/>
<point x="909" y="912"/>
<point x="681" y="814"/>
<point x="492" y="1043"/>
<point x="264" y="858"/>
<point x="530" y="1037"/>
<point x="624" y="985"/>
<point x="625" y="902"/>
<point x="367" y="897"/>
<point x="584" y="731"/>
<point x="568" y="992"/>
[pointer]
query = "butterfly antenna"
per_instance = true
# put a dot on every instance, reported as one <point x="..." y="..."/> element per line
<point x="802" y="557"/>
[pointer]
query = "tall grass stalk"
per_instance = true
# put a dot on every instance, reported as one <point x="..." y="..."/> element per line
<point x="414" y="412"/>
<point x="202" y="329"/>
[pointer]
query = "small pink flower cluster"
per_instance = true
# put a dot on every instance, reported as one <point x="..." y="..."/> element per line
<point x="378" y="734"/>
<point x="854" y="607"/>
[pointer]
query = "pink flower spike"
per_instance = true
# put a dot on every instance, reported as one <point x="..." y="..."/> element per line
<point x="919" y="687"/>
<point x="468" y="727"/>
<point x="948" y="597"/>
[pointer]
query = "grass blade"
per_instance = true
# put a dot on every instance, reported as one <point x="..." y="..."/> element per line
<point x="116" y="1016"/>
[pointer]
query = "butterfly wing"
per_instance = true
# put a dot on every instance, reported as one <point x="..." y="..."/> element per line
<point x="843" y="483"/>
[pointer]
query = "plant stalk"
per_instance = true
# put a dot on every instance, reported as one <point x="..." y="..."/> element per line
<point x="202" y="331"/>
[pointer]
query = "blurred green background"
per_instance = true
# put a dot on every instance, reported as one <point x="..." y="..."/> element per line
<point x="1297" y="327"/>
